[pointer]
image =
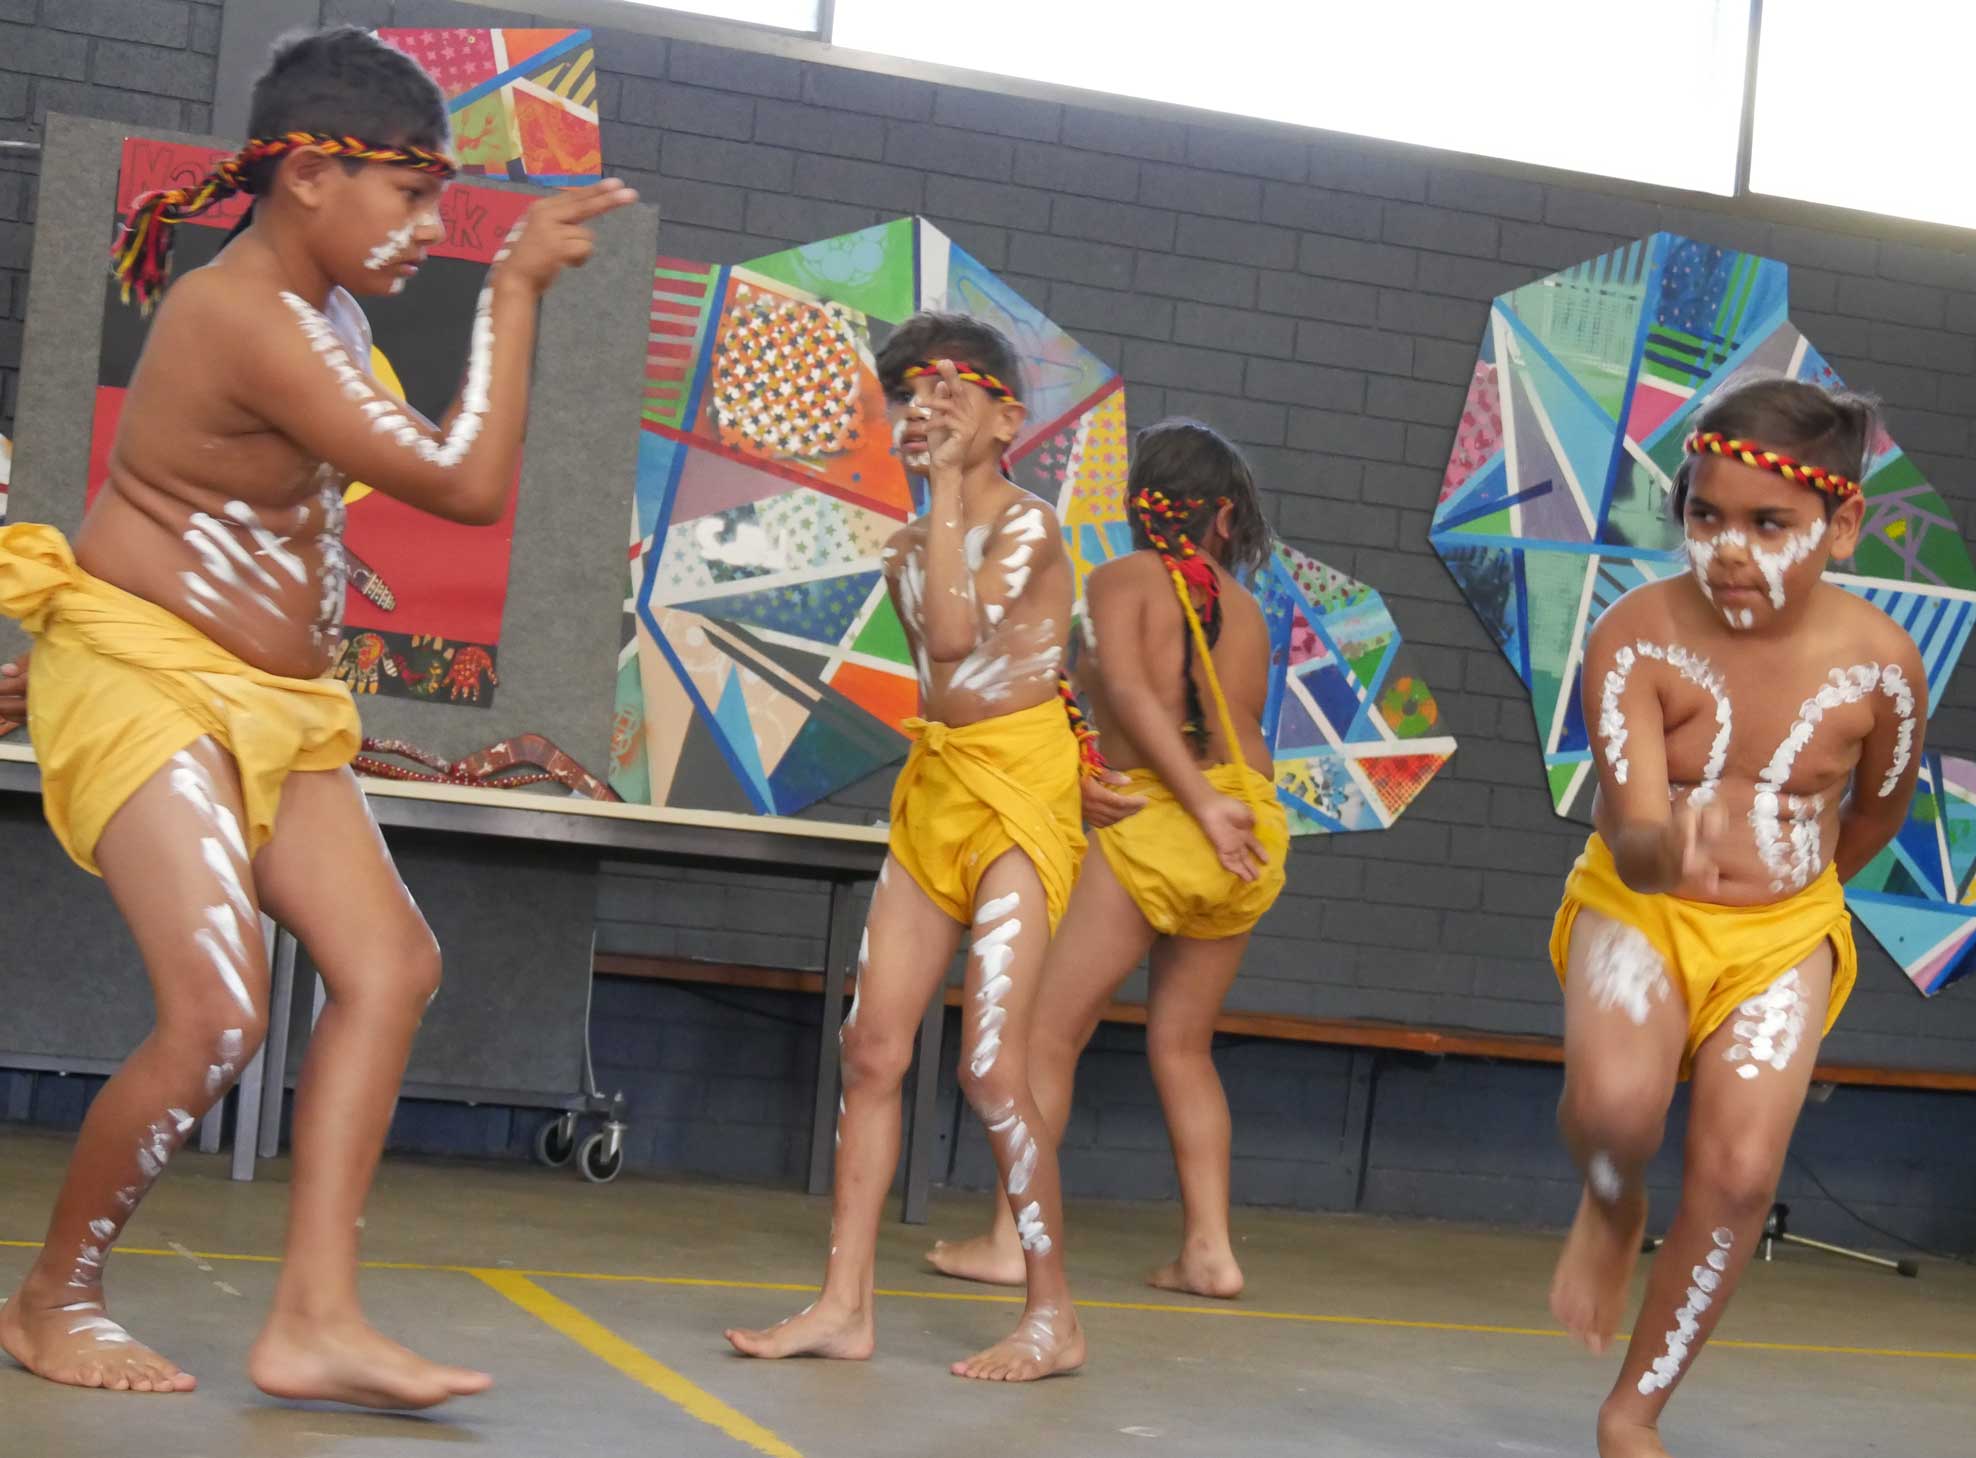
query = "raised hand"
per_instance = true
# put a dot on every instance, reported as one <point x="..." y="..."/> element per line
<point x="554" y="234"/>
<point x="954" y="420"/>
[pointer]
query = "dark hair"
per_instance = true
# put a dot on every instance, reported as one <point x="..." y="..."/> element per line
<point x="346" y="82"/>
<point x="1190" y="461"/>
<point x="1182" y="471"/>
<point x="934" y="335"/>
<point x="1834" y="429"/>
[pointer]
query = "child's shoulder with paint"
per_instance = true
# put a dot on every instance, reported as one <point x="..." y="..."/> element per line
<point x="1854" y="628"/>
<point x="1140" y="569"/>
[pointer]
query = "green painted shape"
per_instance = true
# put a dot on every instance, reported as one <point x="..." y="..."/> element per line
<point x="1495" y="524"/>
<point x="1554" y="583"/>
<point x="1560" y="776"/>
<point x="870" y="270"/>
<point x="1365" y="667"/>
<point x="883" y="636"/>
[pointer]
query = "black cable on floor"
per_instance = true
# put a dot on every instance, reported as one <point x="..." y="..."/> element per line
<point x="1879" y="1229"/>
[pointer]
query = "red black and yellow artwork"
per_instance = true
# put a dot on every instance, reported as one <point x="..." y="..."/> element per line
<point x="426" y="596"/>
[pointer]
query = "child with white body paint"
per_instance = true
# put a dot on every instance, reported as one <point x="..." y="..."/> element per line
<point x="985" y="840"/>
<point x="1189" y="837"/>
<point x="175" y="694"/>
<point x="1757" y="733"/>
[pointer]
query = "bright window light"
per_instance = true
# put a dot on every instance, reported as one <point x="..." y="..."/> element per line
<point x="782" y="14"/>
<point x="1653" y="95"/>
<point x="1866" y="109"/>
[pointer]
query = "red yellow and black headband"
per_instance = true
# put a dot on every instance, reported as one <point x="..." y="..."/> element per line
<point x="966" y="371"/>
<point x="1750" y="453"/>
<point x="141" y="257"/>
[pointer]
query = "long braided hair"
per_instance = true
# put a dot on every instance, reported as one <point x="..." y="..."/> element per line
<point x="1168" y="455"/>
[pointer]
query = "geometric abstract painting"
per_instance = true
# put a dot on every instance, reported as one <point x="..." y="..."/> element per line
<point x="427" y="598"/>
<point x="523" y="102"/>
<point x="1556" y="498"/>
<point x="1918" y="896"/>
<point x="1355" y="734"/>
<point x="762" y="666"/>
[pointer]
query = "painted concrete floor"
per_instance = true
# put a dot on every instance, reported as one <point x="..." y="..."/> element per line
<point x="1358" y="1338"/>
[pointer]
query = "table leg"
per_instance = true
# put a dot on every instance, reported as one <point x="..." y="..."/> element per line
<point x="281" y="1011"/>
<point x="839" y="948"/>
<point x="926" y="1088"/>
<point x="247" y="1093"/>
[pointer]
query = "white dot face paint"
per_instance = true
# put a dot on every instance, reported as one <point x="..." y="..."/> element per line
<point x="1687" y="1320"/>
<point x="1626" y="972"/>
<point x="1768" y="1028"/>
<point x="1795" y="549"/>
<point x="974" y="547"/>
<point x="1793" y="858"/>
<point x="397" y="243"/>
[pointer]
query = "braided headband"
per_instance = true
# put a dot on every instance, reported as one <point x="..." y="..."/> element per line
<point x="1764" y="459"/>
<point x="141" y="258"/>
<point x="966" y="371"/>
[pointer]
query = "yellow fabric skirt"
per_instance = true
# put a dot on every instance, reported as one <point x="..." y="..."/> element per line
<point x="967" y="795"/>
<point x="1169" y="869"/>
<point x="1719" y="956"/>
<point x="118" y="685"/>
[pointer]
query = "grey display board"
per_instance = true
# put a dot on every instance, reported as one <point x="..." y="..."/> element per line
<point x="513" y="922"/>
<point x="72" y="990"/>
<point x="514" y="926"/>
<point x="559" y="638"/>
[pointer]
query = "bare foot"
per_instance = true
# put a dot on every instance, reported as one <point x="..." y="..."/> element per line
<point x="78" y="1345"/>
<point x="1047" y="1342"/>
<point x="347" y="1361"/>
<point x="1621" y="1437"/>
<point x="983" y="1258"/>
<point x="1201" y="1271"/>
<point x="1589" y="1290"/>
<point x="844" y="1333"/>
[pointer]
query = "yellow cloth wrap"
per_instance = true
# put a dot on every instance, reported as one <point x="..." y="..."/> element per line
<point x="967" y="794"/>
<point x="1718" y="956"/>
<point x="1169" y="868"/>
<point x="118" y="685"/>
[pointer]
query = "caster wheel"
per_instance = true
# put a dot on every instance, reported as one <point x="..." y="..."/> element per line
<point x="599" y="1162"/>
<point x="555" y="1143"/>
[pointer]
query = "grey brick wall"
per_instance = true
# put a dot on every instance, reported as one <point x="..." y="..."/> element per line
<point x="146" y="62"/>
<point x="1319" y="300"/>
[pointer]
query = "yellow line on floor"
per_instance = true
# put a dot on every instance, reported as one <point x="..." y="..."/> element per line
<point x="607" y="1346"/>
<point x="1225" y="1311"/>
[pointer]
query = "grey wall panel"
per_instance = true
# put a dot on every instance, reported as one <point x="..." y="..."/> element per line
<point x="565" y="588"/>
